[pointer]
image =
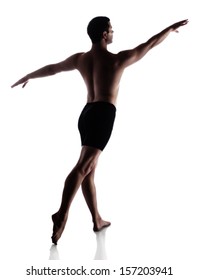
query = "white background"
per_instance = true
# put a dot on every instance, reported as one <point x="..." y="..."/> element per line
<point x="147" y="177"/>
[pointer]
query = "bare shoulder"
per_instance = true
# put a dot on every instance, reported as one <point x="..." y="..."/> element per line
<point x="126" y="57"/>
<point x="70" y="63"/>
<point x="82" y="60"/>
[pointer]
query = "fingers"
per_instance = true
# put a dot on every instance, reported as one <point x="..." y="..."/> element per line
<point x="24" y="84"/>
<point x="182" y="22"/>
<point x="185" y="21"/>
<point x="14" y="85"/>
<point x="179" y="24"/>
<point x="23" y="81"/>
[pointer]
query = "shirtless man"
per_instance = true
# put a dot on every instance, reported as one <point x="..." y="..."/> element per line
<point x="101" y="71"/>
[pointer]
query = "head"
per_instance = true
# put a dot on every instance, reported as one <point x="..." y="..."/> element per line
<point x="99" y="28"/>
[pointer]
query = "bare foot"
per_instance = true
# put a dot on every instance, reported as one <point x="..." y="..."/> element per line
<point x="100" y="224"/>
<point x="58" y="228"/>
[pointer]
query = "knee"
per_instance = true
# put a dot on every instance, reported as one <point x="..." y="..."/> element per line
<point x="89" y="179"/>
<point x="86" y="168"/>
<point x="87" y="161"/>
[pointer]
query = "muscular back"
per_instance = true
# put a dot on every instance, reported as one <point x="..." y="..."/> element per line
<point x="101" y="72"/>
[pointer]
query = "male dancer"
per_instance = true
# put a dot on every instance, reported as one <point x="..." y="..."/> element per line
<point x="101" y="71"/>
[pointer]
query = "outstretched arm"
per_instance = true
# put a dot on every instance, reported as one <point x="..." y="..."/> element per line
<point x="131" y="56"/>
<point x="68" y="64"/>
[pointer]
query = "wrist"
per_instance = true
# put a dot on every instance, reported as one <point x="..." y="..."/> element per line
<point x="28" y="77"/>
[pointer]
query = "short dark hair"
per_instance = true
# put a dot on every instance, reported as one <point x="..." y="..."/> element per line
<point x="96" y="27"/>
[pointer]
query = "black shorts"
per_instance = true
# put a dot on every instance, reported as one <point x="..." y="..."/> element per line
<point x="96" y="123"/>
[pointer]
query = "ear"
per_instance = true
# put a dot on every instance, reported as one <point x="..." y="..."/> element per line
<point x="104" y="35"/>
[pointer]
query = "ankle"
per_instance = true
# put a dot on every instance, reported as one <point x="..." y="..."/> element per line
<point x="61" y="216"/>
<point x="97" y="219"/>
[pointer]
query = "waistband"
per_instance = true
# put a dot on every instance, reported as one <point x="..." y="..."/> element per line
<point x="105" y="103"/>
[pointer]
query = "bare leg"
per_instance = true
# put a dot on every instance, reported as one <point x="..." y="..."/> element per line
<point x="84" y="166"/>
<point x="59" y="219"/>
<point x="89" y="192"/>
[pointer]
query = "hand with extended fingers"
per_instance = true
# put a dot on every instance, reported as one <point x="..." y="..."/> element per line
<point x="23" y="81"/>
<point x="178" y="24"/>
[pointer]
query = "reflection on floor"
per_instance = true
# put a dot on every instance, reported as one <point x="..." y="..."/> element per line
<point x="54" y="253"/>
<point x="101" y="248"/>
<point x="100" y="253"/>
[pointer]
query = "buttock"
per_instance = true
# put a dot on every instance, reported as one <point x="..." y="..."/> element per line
<point x="95" y="124"/>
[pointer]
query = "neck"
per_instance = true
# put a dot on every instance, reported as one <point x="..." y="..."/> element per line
<point x="102" y="45"/>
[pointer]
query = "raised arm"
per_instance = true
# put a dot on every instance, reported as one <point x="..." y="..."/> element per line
<point x="68" y="64"/>
<point x="129" y="57"/>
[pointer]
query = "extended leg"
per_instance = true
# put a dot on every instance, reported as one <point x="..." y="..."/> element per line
<point x="84" y="166"/>
<point x="89" y="192"/>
